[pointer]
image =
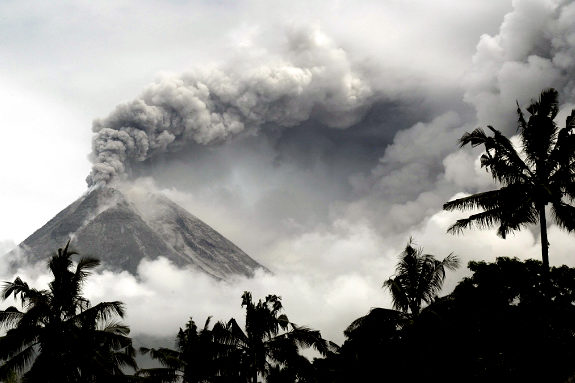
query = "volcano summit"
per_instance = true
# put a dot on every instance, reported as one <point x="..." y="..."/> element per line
<point x="121" y="229"/>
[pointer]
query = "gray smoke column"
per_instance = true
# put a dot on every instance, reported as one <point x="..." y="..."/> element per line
<point x="312" y="79"/>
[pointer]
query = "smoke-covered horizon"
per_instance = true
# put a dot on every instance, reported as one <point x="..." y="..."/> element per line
<point x="318" y="143"/>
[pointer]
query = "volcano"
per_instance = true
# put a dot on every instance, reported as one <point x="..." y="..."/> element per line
<point x="121" y="229"/>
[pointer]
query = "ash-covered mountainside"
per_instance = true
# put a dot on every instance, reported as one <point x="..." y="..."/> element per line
<point x="122" y="229"/>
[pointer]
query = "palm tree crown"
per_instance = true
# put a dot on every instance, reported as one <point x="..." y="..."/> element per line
<point x="541" y="173"/>
<point x="195" y="359"/>
<point x="418" y="278"/>
<point x="270" y="341"/>
<point x="59" y="327"/>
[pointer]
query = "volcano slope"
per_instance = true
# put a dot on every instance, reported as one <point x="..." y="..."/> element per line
<point x="121" y="231"/>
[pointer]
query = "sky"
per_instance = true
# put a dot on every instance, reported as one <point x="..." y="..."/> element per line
<point x="318" y="136"/>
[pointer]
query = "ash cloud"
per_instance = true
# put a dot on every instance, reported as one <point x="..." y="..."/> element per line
<point x="534" y="49"/>
<point x="291" y="164"/>
<point x="313" y="80"/>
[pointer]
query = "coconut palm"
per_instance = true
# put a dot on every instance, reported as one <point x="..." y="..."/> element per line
<point x="418" y="278"/>
<point x="59" y="336"/>
<point x="195" y="359"/>
<point x="270" y="341"/>
<point x="539" y="174"/>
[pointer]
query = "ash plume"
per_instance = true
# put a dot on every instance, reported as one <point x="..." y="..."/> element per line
<point x="314" y="79"/>
<point x="534" y="49"/>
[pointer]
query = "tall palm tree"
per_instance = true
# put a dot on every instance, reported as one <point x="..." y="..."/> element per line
<point x="541" y="173"/>
<point x="60" y="336"/>
<point x="418" y="278"/>
<point x="270" y="341"/>
<point x="195" y="359"/>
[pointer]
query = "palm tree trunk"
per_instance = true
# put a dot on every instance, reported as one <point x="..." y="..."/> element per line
<point x="544" y="251"/>
<point x="255" y="371"/>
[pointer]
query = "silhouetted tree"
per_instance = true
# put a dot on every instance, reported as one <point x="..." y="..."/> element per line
<point x="541" y="173"/>
<point x="384" y="343"/>
<point x="418" y="278"/>
<point x="195" y="359"/>
<point x="270" y="343"/>
<point x="496" y="326"/>
<point x="60" y="336"/>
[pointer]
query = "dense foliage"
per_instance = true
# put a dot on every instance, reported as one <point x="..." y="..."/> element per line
<point x="268" y="347"/>
<point x="496" y="326"/>
<point x="60" y="336"/>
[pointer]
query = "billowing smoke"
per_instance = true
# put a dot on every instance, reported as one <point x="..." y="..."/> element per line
<point x="534" y="49"/>
<point x="313" y="80"/>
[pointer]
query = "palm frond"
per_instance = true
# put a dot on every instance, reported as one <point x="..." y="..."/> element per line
<point x="503" y="161"/>
<point x="475" y="138"/>
<point x="18" y="363"/>
<point x="549" y="103"/>
<point x="37" y="313"/>
<point x="207" y="323"/>
<point x="16" y="340"/>
<point x="399" y="296"/>
<point x="490" y="200"/>
<point x="10" y="317"/>
<point x="101" y="312"/>
<point x="513" y="210"/>
<point x="561" y="161"/>
<point x="160" y="375"/>
<point x="169" y="358"/>
<point x="377" y="318"/>
<point x="83" y="269"/>
<point x="20" y="289"/>
<point x="521" y="122"/>
<point x="564" y="215"/>
<point x="540" y="132"/>
<point x="61" y="260"/>
<point x="481" y="220"/>
<point x="306" y="337"/>
<point x="229" y="333"/>
<point x="116" y="328"/>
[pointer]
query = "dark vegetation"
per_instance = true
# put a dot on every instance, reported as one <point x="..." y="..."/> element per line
<point x="509" y="321"/>
<point x="60" y="336"/>
<point x="496" y="326"/>
<point x="538" y="175"/>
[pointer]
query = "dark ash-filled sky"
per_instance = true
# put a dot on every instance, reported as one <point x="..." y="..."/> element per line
<point x="317" y="135"/>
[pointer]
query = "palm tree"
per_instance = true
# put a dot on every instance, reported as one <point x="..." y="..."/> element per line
<point x="193" y="361"/>
<point x="393" y="335"/>
<point x="270" y="341"/>
<point x="418" y="278"/>
<point x="61" y="337"/>
<point x="541" y="173"/>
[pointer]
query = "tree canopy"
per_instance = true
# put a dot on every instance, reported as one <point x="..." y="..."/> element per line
<point x="418" y="278"/>
<point x="541" y="173"/>
<point x="59" y="336"/>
